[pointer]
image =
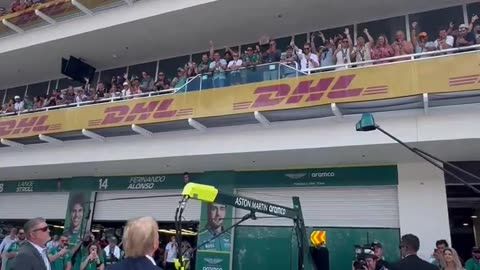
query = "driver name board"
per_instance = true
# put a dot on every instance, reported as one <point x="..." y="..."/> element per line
<point x="255" y="205"/>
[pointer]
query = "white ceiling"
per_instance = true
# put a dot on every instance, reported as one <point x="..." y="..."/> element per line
<point x="227" y="22"/>
<point x="459" y="150"/>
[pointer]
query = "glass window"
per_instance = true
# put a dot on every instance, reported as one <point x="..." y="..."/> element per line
<point x="66" y="82"/>
<point x="472" y="10"/>
<point x="95" y="78"/>
<point x="387" y="27"/>
<point x="432" y="21"/>
<point x="137" y="70"/>
<point x="197" y="58"/>
<point x="107" y="75"/>
<point x="283" y="43"/>
<point x="300" y="40"/>
<point x="329" y="34"/>
<point x="170" y="66"/>
<point x="2" y="96"/>
<point x="16" y="91"/>
<point x="37" y="89"/>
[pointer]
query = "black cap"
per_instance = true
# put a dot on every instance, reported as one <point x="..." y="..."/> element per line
<point x="476" y="249"/>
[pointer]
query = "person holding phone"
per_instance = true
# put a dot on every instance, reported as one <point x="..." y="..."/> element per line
<point x="94" y="260"/>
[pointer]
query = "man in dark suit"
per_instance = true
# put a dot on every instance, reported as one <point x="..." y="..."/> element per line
<point x="409" y="247"/>
<point x="33" y="254"/>
<point x="140" y="241"/>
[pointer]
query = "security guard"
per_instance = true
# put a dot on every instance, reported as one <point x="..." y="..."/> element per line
<point x="216" y="215"/>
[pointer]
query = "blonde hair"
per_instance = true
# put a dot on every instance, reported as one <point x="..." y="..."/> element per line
<point x="456" y="259"/>
<point x="140" y="236"/>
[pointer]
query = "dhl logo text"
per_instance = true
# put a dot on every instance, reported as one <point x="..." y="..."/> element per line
<point x="306" y="91"/>
<point x="26" y="125"/>
<point x="158" y="109"/>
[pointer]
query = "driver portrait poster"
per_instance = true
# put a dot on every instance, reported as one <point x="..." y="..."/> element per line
<point x="214" y="254"/>
<point x="77" y="218"/>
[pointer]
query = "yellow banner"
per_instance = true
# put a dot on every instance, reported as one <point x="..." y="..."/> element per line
<point x="437" y="75"/>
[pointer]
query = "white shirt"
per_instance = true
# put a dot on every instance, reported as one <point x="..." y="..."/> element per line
<point x="304" y="64"/>
<point x="171" y="250"/>
<point x="19" y="106"/>
<point x="7" y="241"/>
<point x="151" y="259"/>
<point x="43" y="253"/>
<point x="237" y="63"/>
<point x="449" y="40"/>
<point x="116" y="251"/>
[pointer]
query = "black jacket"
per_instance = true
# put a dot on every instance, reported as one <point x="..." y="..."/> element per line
<point x="28" y="258"/>
<point x="140" y="263"/>
<point x="413" y="262"/>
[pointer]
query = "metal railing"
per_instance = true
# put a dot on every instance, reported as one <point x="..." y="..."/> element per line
<point x="203" y="81"/>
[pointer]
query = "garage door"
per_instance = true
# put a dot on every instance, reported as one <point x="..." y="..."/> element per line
<point x="23" y="206"/>
<point x="162" y="209"/>
<point x="332" y="206"/>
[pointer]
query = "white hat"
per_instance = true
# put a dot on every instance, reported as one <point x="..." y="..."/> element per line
<point x="462" y="26"/>
<point x="125" y="83"/>
<point x="17" y="97"/>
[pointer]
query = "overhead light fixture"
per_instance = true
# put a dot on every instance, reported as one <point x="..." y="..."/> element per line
<point x="465" y="224"/>
<point x="474" y="216"/>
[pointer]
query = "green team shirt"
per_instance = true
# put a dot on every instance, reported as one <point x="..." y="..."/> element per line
<point x="62" y="261"/>
<point x="14" y="247"/>
<point x="472" y="264"/>
<point x="81" y="254"/>
<point x="221" y="243"/>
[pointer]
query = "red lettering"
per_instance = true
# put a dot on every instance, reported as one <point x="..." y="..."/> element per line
<point x="143" y="111"/>
<point x="25" y="125"/>
<point x="115" y="114"/>
<point x="162" y="112"/>
<point x="339" y="90"/>
<point x="270" y="95"/>
<point x="40" y="126"/>
<point x="6" y="127"/>
<point x="314" y="93"/>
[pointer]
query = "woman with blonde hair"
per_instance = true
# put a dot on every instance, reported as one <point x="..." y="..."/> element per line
<point x="140" y="241"/>
<point x="450" y="260"/>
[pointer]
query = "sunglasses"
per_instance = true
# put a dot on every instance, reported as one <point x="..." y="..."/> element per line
<point x="43" y="229"/>
<point x="306" y="48"/>
<point x="249" y="49"/>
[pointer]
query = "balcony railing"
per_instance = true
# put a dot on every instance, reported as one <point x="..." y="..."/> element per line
<point x="447" y="77"/>
<point x="52" y="12"/>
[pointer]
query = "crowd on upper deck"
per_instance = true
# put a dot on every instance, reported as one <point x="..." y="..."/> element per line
<point x="320" y="51"/>
<point x="19" y="5"/>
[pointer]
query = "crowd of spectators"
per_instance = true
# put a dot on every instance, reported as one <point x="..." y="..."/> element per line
<point x="19" y="5"/>
<point x="323" y="52"/>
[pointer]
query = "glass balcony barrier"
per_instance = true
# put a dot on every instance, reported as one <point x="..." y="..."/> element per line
<point x="269" y="72"/>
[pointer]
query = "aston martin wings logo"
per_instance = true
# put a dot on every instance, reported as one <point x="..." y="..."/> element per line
<point x="213" y="260"/>
<point x="295" y="176"/>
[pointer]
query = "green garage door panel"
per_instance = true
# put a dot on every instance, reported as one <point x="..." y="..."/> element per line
<point x="274" y="248"/>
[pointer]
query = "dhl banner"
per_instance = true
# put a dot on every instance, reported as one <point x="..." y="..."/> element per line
<point x="54" y="9"/>
<point x="443" y="74"/>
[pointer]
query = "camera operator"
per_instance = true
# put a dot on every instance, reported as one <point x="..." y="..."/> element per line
<point x="368" y="261"/>
<point x="377" y="248"/>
